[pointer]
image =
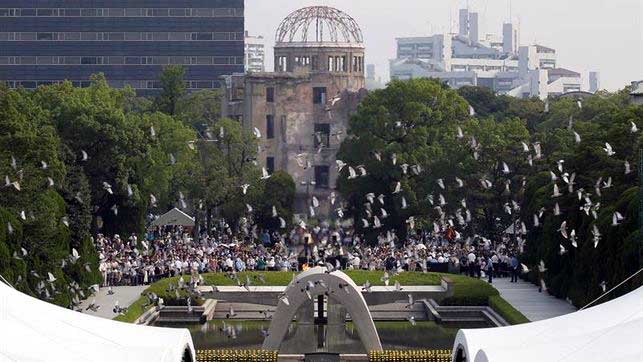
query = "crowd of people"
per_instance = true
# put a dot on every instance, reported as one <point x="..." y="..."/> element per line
<point x="172" y="250"/>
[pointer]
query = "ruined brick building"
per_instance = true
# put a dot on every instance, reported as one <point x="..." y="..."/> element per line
<point x="302" y="108"/>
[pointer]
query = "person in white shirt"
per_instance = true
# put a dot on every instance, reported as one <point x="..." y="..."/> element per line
<point x="471" y="258"/>
<point x="251" y="263"/>
<point x="229" y="264"/>
<point x="271" y="263"/>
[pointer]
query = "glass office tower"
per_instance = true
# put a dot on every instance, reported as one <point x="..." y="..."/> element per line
<point x="44" y="42"/>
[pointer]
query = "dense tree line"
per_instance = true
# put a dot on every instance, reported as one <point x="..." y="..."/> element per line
<point x="81" y="161"/>
<point x="419" y="154"/>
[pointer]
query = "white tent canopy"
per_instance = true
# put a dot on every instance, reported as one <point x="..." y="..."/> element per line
<point x="174" y="217"/>
<point x="33" y="330"/>
<point x="608" y="332"/>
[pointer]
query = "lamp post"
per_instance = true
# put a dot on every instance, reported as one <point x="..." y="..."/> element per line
<point x="308" y="184"/>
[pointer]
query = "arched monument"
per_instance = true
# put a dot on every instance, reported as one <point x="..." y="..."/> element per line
<point x="342" y="295"/>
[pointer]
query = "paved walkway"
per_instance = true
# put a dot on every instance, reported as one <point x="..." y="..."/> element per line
<point x="535" y="306"/>
<point x="124" y="295"/>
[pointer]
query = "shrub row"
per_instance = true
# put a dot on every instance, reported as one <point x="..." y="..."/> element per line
<point x="471" y="291"/>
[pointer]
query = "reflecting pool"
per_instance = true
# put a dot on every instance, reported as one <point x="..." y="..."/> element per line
<point x="393" y="335"/>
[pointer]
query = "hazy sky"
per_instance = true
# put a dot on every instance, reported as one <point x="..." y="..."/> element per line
<point x="601" y="35"/>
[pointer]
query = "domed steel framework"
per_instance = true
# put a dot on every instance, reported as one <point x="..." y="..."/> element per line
<point x="319" y="24"/>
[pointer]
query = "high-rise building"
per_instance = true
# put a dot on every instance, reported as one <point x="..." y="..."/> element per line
<point x="463" y="29"/>
<point x="467" y="59"/>
<point x="372" y="80"/>
<point x="474" y="27"/>
<point x="44" y="42"/>
<point x="510" y="38"/>
<point x="255" y="53"/>
<point x="594" y="82"/>
<point x="302" y="108"/>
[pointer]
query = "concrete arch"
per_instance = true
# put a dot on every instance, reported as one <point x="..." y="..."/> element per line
<point x="340" y="288"/>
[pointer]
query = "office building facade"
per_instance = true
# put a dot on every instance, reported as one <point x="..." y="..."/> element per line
<point x="130" y="41"/>
<point x="500" y="63"/>
<point x="255" y="54"/>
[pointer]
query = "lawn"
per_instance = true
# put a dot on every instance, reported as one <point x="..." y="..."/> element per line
<point x="467" y="291"/>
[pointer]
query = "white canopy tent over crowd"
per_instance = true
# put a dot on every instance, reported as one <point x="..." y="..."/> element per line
<point x="34" y="330"/>
<point x="608" y="332"/>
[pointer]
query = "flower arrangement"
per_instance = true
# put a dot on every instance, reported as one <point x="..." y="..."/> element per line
<point x="441" y="355"/>
<point x="236" y="355"/>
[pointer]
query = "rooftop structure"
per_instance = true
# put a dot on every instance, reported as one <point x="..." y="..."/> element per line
<point x="319" y="24"/>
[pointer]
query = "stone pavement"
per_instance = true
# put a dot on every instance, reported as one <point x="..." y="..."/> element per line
<point x="535" y="306"/>
<point x="124" y="295"/>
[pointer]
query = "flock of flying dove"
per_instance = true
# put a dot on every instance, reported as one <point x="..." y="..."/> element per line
<point x="46" y="285"/>
<point x="462" y="215"/>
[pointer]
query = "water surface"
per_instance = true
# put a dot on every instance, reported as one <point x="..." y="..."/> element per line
<point x="339" y="339"/>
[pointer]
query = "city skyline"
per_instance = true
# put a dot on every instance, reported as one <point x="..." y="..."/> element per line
<point x="597" y="22"/>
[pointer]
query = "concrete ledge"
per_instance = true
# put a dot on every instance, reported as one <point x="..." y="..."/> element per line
<point x="447" y="284"/>
<point x="375" y="289"/>
<point x="269" y="295"/>
<point x="209" y="307"/>
<point x="148" y="317"/>
<point x="465" y="314"/>
<point x="180" y="314"/>
<point x="494" y="318"/>
<point x="421" y="310"/>
<point x="431" y="312"/>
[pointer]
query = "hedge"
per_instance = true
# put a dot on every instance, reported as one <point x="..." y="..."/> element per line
<point x="471" y="291"/>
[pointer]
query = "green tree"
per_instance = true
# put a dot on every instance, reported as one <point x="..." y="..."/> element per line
<point x="173" y="88"/>
<point x="424" y="124"/>
<point x="92" y="120"/>
<point x="37" y="224"/>
<point x="500" y="107"/>
<point x="201" y="109"/>
<point x="403" y="120"/>
<point x="278" y="192"/>
<point x="103" y="161"/>
<point x="228" y="157"/>
<point x="578" y="273"/>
